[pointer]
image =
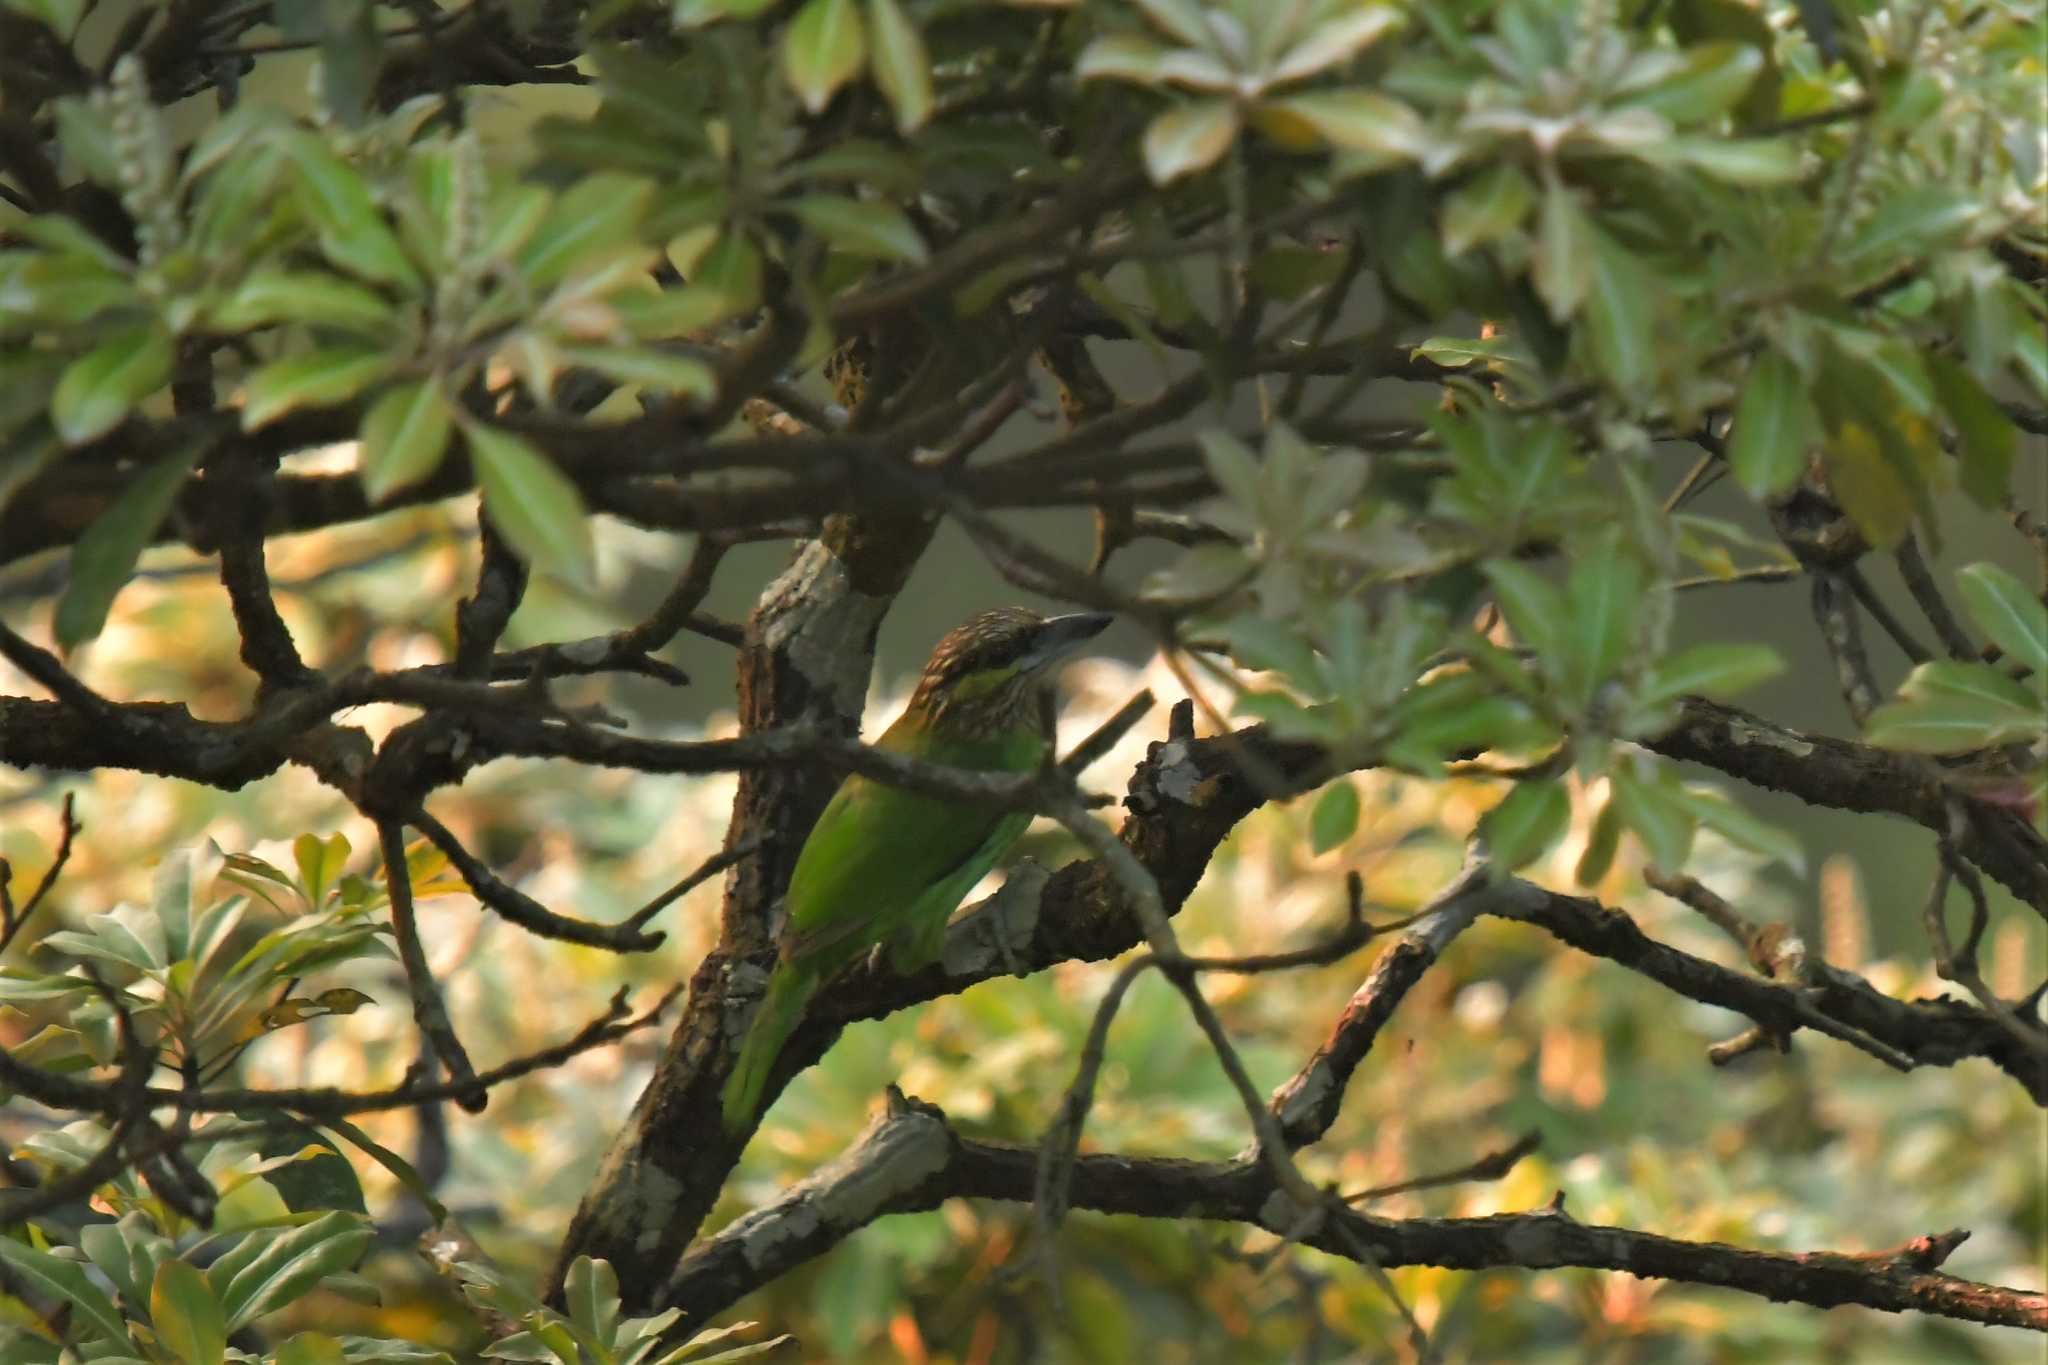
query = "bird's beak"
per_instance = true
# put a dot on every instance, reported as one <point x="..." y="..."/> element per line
<point x="1059" y="635"/>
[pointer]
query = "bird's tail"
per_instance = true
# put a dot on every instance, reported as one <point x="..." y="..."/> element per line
<point x="789" y="990"/>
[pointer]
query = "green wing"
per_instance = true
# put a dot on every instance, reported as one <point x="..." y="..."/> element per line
<point x="881" y="858"/>
<point x="917" y="940"/>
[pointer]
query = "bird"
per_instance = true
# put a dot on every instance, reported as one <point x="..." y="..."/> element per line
<point x="887" y="867"/>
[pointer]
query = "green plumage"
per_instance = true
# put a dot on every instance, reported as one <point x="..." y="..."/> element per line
<point x="888" y="866"/>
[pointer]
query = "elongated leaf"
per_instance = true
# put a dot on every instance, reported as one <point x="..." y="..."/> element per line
<point x="105" y="555"/>
<point x="1335" y="817"/>
<point x="186" y="1315"/>
<point x="404" y="437"/>
<point x="2002" y="607"/>
<point x="271" y="295"/>
<point x="823" y="48"/>
<point x="1533" y="606"/>
<point x="1336" y="39"/>
<point x="1990" y="441"/>
<point x="1950" y="723"/>
<point x="287" y="1266"/>
<point x="317" y="379"/>
<point x="1657" y="815"/>
<point x="903" y="69"/>
<point x="861" y="227"/>
<point x="650" y="369"/>
<point x="1563" y="262"/>
<point x="1713" y="77"/>
<point x="533" y="503"/>
<point x="1768" y="841"/>
<point x="66" y="1283"/>
<point x="1524" y="825"/>
<point x="1603" y="596"/>
<point x="1620" y="313"/>
<point x="1358" y="120"/>
<point x="1774" y="422"/>
<point x="1189" y="138"/>
<point x="1486" y="208"/>
<point x="351" y="228"/>
<point x="1977" y="682"/>
<point x="1710" y="671"/>
<point x="100" y="388"/>
<point x="599" y="214"/>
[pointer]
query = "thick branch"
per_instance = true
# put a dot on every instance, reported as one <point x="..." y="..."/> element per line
<point x="1844" y="775"/>
<point x="911" y="1160"/>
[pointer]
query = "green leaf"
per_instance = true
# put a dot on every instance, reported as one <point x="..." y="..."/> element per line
<point x="861" y="227"/>
<point x="1620" y="306"/>
<point x="1601" y="846"/>
<point x="317" y="379"/>
<point x="1562" y="266"/>
<point x="1533" y="606"/>
<point x="66" y="1282"/>
<point x="598" y="214"/>
<point x="1189" y="138"/>
<point x="1357" y="120"/>
<point x="391" y="1161"/>
<point x="1486" y="208"/>
<point x="650" y="369"/>
<point x="1774" y="423"/>
<point x="351" y="228"/>
<point x="1769" y="841"/>
<point x="1127" y="57"/>
<point x="1657" y="815"/>
<point x="1951" y="723"/>
<point x="2003" y="609"/>
<point x="731" y="266"/>
<point x="105" y="555"/>
<point x="903" y="69"/>
<point x="1909" y="224"/>
<point x="186" y="1315"/>
<point x="1869" y="488"/>
<point x="823" y="49"/>
<point x="590" y="1293"/>
<point x="1524" y="825"/>
<point x="404" y="437"/>
<point x="1337" y="38"/>
<point x="1739" y="161"/>
<point x="1335" y="816"/>
<point x="270" y="295"/>
<point x="100" y="388"/>
<point x="1713" y="78"/>
<point x="1990" y="441"/>
<point x="1602" y="597"/>
<point x="533" y="503"/>
<point x="287" y="1265"/>
<point x="1709" y="671"/>
<point x="657" y="316"/>
<point x="1976" y="681"/>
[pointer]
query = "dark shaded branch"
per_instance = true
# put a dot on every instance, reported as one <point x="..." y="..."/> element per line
<point x="1844" y="775"/>
<point x="428" y="1009"/>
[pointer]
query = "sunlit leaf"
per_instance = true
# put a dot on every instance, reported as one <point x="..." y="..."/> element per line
<point x="404" y="436"/>
<point x="99" y="389"/>
<point x="1189" y="138"/>
<point x="1524" y="825"/>
<point x="823" y="48"/>
<point x="903" y="69"/>
<point x="2002" y="607"/>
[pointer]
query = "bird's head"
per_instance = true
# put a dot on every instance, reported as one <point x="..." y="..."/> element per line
<point x="985" y="670"/>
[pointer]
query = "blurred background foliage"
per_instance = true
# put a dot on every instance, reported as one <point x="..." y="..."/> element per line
<point x="1509" y="1033"/>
